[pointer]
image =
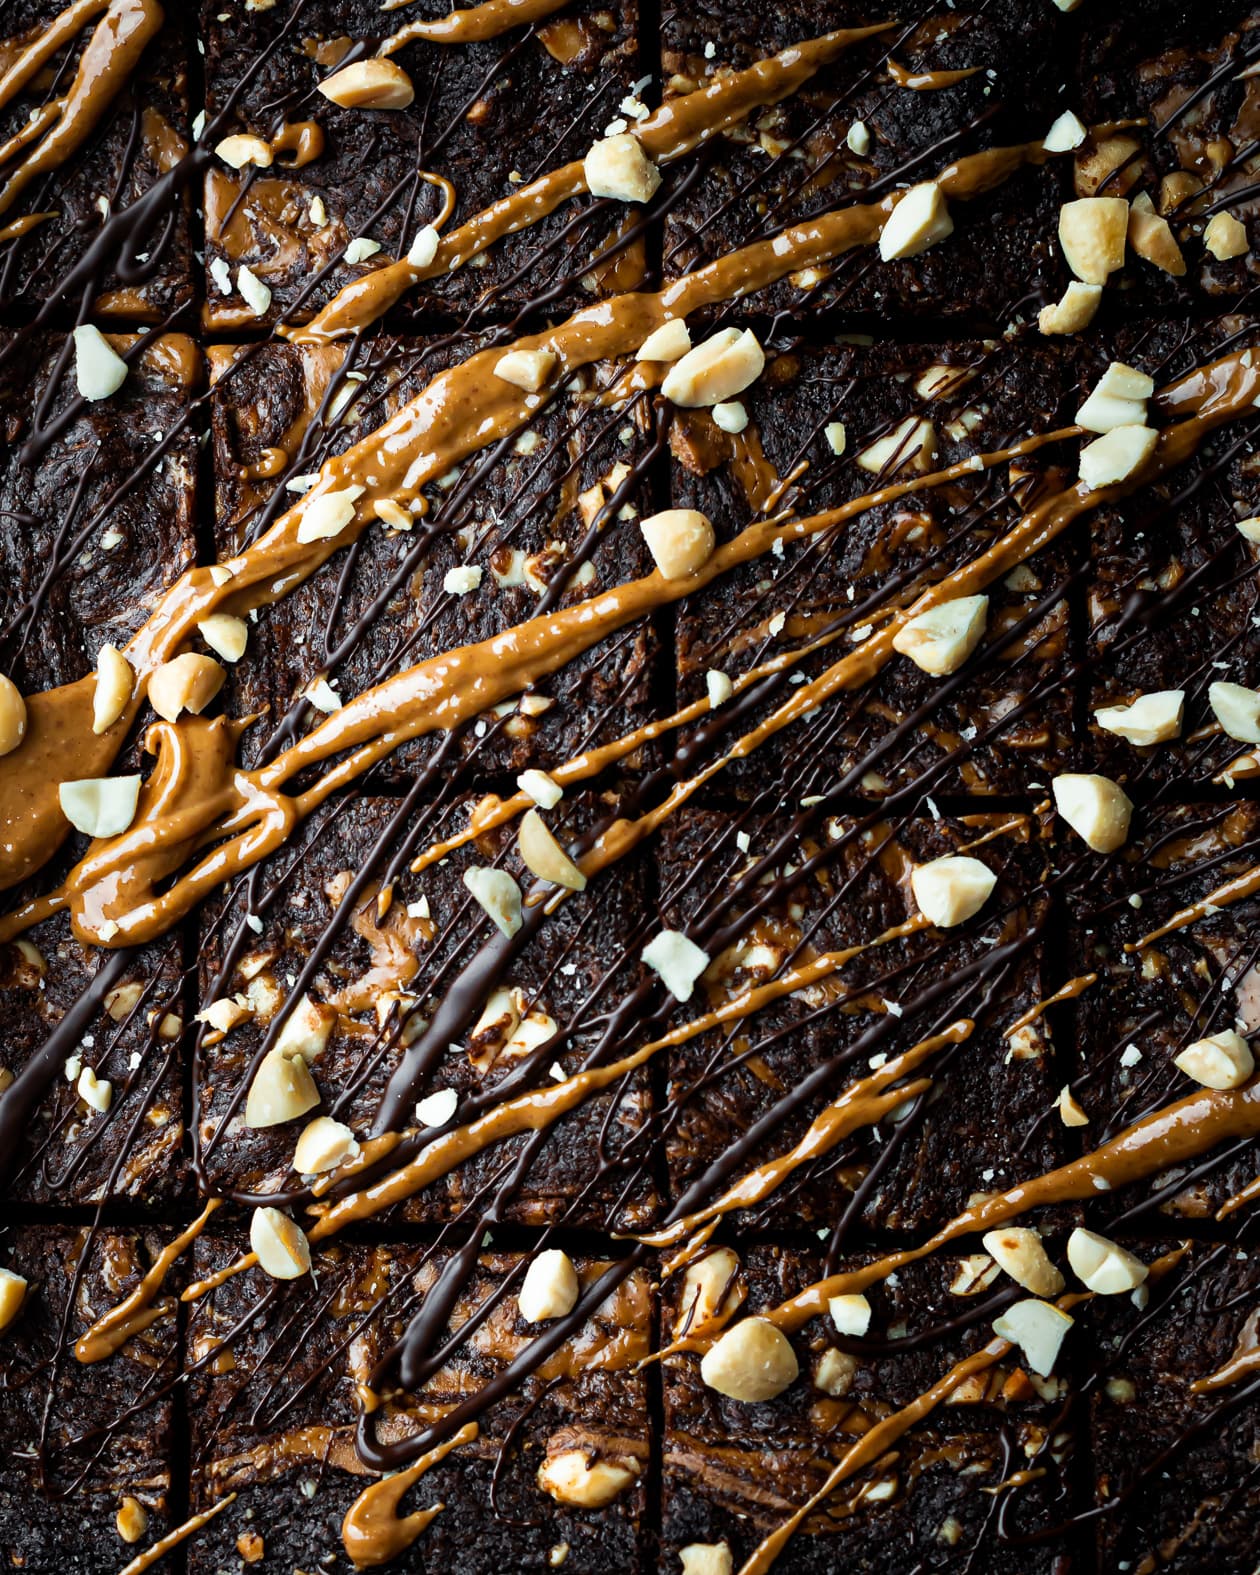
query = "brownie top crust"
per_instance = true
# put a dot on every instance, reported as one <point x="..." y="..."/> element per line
<point x="629" y="725"/>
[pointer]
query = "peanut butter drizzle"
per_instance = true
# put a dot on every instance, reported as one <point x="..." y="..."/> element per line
<point x="1240" y="1200"/>
<point x="927" y="81"/>
<point x="115" y="46"/>
<point x="861" y="1104"/>
<point x="474" y="25"/>
<point x="112" y="1331"/>
<point x="172" y="1539"/>
<point x="1167" y="1137"/>
<point x="24" y="225"/>
<point x="667" y="134"/>
<point x="373" y="1532"/>
<point x="1243" y="1361"/>
<point x="1068" y="992"/>
<point x="1235" y="890"/>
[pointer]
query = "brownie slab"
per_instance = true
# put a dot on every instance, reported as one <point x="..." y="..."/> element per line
<point x="1174" y="1436"/>
<point x="142" y="133"/>
<point x="829" y="888"/>
<point x="91" y="532"/>
<point x="273" y="1417"/>
<point x="1006" y="721"/>
<point x="734" y="1471"/>
<point x="1148" y="1005"/>
<point x="487" y="117"/>
<point x="884" y="114"/>
<point x="88" y="1447"/>
<point x="547" y="520"/>
<point x="383" y="979"/>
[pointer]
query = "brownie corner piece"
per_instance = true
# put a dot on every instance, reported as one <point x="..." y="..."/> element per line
<point x="1172" y="1409"/>
<point x="733" y="1472"/>
<point x="87" y="1468"/>
<point x="74" y="186"/>
<point x="276" y="1423"/>
<point x="493" y="114"/>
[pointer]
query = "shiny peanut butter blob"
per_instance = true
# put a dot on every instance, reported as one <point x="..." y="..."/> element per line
<point x="116" y="44"/>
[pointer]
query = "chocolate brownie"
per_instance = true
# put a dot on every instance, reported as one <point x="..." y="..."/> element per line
<point x="87" y="1469"/>
<point x="1171" y="592"/>
<point x="778" y="894"/>
<point x="1177" y="115"/>
<point x="1148" y="1005"/>
<point x="1173" y="1421"/>
<point x="546" y="520"/>
<point x="94" y="522"/>
<point x="734" y="1471"/>
<point x="93" y="117"/>
<point x="398" y="987"/>
<point x="274" y="1411"/>
<point x="488" y="117"/>
<point x="87" y="1019"/>
<point x="887" y="112"/>
<point x="893" y="413"/>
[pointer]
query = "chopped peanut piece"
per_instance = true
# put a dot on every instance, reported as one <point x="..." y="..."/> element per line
<point x="717" y="369"/>
<point x="1092" y="234"/>
<point x="752" y="1361"/>
<point x="114" y="682"/>
<point x="550" y="1288"/>
<point x="1222" y="1060"/>
<point x="1019" y="1251"/>
<point x="12" y="716"/>
<point x="1225" y="237"/>
<point x="941" y="639"/>
<point x="527" y="369"/>
<point x="281" y="1246"/>
<point x="1074" y="312"/>
<point x="1097" y="809"/>
<point x="920" y="219"/>
<point x="369" y="84"/>
<point x="544" y="855"/>
<point x="1102" y="1265"/>
<point x="952" y="889"/>
<point x="681" y="541"/>
<point x="186" y="683"/>
<point x="617" y="167"/>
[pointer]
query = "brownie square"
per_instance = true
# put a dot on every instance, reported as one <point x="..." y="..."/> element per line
<point x="380" y="982"/>
<point x="487" y="116"/>
<point x="1005" y="721"/>
<point x="733" y="1472"/>
<point x="1182" y="137"/>
<point x="91" y="532"/>
<point x="790" y="162"/>
<point x="1175" y="1438"/>
<point x="832" y="886"/>
<point x="1172" y="599"/>
<point x="141" y="135"/>
<point x="121" y="1014"/>
<point x="1148" y="1005"/>
<point x="548" y="520"/>
<point x="273" y="1416"/>
<point x="88" y="1448"/>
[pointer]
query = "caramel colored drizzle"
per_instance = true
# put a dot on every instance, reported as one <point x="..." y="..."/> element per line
<point x="1067" y="992"/>
<point x="869" y="1448"/>
<point x="1243" y="1361"/>
<point x="373" y="1532"/>
<point x="117" y="42"/>
<point x="1240" y="1200"/>
<point x="172" y="1539"/>
<point x="927" y="81"/>
<point x="1235" y="890"/>
<point x="112" y="1331"/>
<point x="667" y="134"/>
<point x="474" y="25"/>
